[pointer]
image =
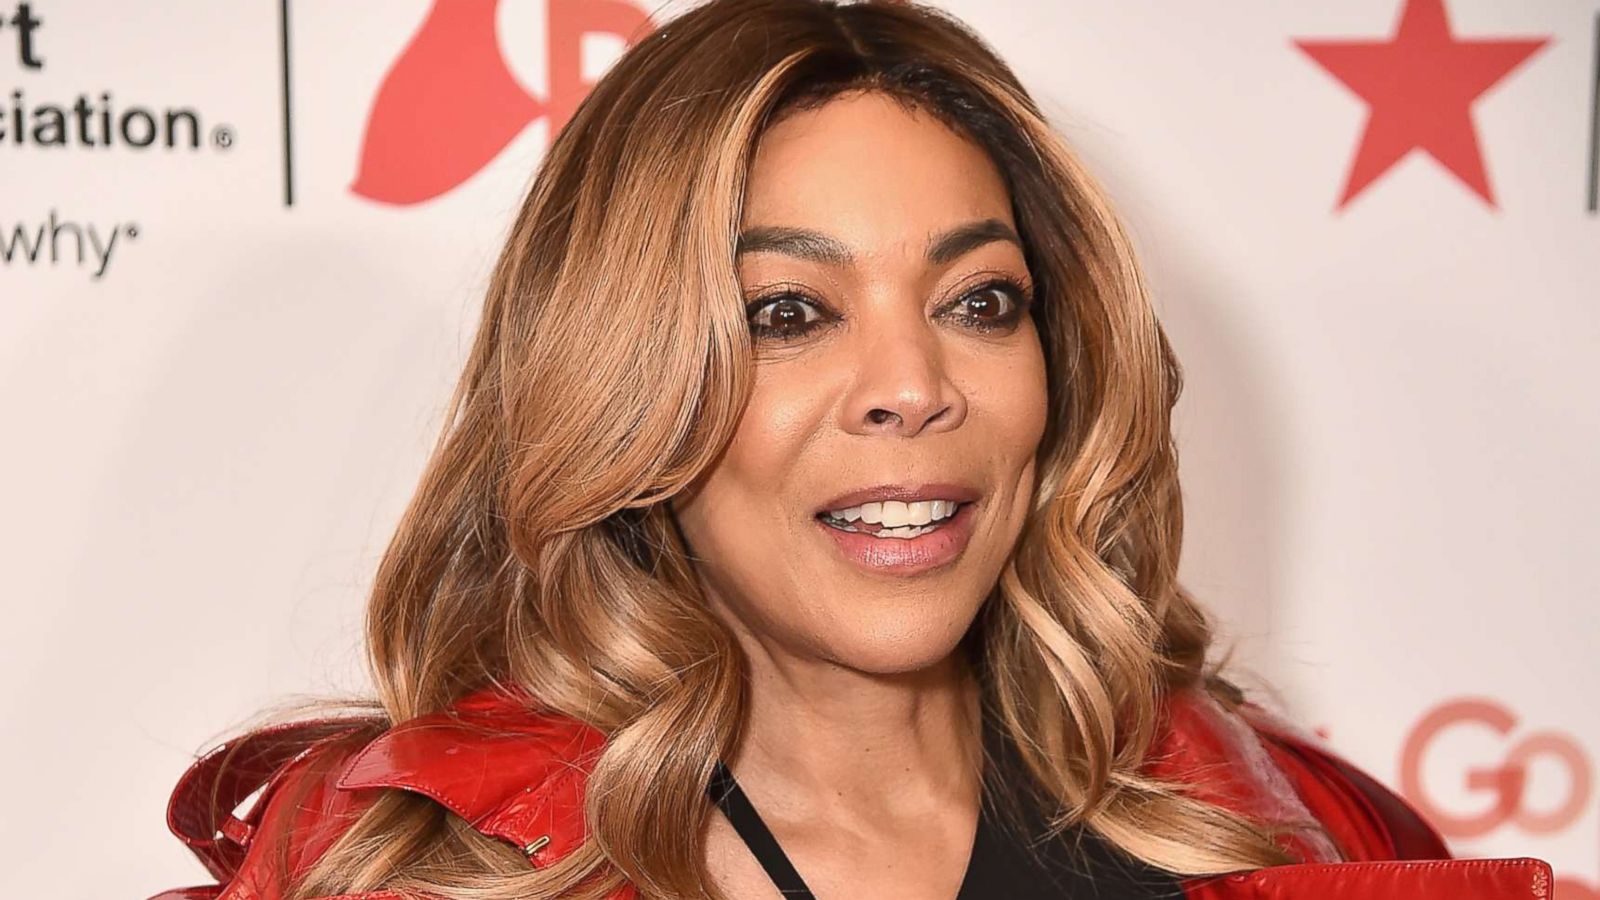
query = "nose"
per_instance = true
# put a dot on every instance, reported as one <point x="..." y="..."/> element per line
<point x="902" y="387"/>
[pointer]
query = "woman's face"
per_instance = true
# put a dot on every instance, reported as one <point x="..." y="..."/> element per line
<point x="899" y="380"/>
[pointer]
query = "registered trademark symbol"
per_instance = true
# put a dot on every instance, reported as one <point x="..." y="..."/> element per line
<point x="131" y="230"/>
<point x="222" y="137"/>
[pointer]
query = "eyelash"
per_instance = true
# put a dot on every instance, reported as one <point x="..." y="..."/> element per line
<point x="1021" y="301"/>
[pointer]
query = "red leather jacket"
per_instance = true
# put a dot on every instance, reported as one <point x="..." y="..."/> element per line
<point x="518" y="775"/>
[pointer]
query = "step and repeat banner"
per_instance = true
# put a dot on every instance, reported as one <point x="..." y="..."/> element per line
<point x="242" y="247"/>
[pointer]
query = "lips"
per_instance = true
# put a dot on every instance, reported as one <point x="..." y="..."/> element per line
<point x="905" y="493"/>
<point x="923" y="554"/>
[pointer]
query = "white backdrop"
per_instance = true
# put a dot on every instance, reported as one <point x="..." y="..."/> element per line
<point x="212" y="422"/>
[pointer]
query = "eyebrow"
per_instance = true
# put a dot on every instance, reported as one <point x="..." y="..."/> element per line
<point x="815" y="246"/>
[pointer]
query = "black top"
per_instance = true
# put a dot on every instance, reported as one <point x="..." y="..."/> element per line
<point x="1076" y="864"/>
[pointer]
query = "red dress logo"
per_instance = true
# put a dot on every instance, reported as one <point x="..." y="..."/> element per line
<point x="450" y="103"/>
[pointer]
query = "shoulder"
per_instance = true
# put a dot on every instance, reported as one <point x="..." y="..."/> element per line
<point x="517" y="773"/>
<point x="1244" y="757"/>
<point x="290" y="770"/>
<point x="511" y="770"/>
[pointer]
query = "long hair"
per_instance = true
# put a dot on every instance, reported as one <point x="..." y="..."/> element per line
<point x="611" y="366"/>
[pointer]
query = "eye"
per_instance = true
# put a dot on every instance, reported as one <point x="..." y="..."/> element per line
<point x="996" y="304"/>
<point x="784" y="316"/>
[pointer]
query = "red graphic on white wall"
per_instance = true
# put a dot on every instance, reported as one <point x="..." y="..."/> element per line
<point x="1502" y="779"/>
<point x="1419" y="86"/>
<point x="450" y="103"/>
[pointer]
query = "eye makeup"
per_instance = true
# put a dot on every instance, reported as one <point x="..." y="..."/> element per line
<point x="789" y="312"/>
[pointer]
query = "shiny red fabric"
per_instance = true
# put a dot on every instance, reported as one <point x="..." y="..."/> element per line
<point x="517" y="774"/>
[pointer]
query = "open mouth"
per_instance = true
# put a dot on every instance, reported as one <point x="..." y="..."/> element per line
<point x="893" y="519"/>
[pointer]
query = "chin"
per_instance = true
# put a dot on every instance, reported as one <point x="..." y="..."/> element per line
<point x="907" y="642"/>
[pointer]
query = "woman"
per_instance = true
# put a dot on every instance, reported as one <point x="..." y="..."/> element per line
<point x="807" y="524"/>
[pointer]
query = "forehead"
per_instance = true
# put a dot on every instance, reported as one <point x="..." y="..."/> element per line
<point x="873" y="172"/>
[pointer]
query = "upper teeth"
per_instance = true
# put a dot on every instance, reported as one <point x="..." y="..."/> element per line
<point x="893" y="513"/>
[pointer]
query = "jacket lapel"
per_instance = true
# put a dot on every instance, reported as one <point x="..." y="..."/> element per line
<point x="1416" y="879"/>
<point x="493" y="759"/>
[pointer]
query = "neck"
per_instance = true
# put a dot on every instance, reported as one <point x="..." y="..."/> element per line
<point x="822" y="738"/>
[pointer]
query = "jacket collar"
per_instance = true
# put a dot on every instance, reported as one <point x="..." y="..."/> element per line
<point x="1220" y="756"/>
<point x="497" y="761"/>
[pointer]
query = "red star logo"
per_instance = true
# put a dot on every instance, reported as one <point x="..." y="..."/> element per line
<point x="1420" y="86"/>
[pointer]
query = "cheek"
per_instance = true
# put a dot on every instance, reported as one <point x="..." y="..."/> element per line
<point x="737" y="520"/>
<point x="1033" y="405"/>
<point x="1011" y="398"/>
<point x="768" y="447"/>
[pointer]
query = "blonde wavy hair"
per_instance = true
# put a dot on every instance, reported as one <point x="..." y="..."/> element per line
<point x="610" y="368"/>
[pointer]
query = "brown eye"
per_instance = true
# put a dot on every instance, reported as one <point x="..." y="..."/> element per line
<point x="995" y="305"/>
<point x="783" y="316"/>
<point x="989" y="303"/>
